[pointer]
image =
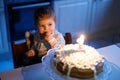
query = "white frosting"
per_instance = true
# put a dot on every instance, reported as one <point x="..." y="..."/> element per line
<point x="84" y="57"/>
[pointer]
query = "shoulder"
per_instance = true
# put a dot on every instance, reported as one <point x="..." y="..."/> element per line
<point x="57" y="34"/>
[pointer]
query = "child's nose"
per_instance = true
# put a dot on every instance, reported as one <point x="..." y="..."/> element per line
<point x="46" y="28"/>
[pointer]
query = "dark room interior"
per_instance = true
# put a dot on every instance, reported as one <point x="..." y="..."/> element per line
<point x="98" y="20"/>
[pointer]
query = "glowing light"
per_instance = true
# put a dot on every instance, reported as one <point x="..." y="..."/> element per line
<point x="80" y="40"/>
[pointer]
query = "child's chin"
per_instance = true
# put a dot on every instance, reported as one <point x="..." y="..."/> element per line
<point x="42" y="35"/>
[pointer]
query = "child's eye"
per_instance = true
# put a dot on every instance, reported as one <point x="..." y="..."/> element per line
<point x="50" y="24"/>
<point x="41" y="25"/>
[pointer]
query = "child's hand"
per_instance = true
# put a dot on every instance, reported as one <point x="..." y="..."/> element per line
<point x="49" y="37"/>
<point x="30" y="53"/>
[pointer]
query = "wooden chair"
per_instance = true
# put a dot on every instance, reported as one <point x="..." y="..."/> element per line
<point x="68" y="38"/>
<point x="19" y="50"/>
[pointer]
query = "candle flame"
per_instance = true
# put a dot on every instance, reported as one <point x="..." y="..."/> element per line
<point x="80" y="40"/>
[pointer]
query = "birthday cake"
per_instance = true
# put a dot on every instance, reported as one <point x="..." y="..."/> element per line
<point x="78" y="62"/>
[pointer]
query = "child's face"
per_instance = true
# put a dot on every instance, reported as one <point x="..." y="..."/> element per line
<point x="46" y="25"/>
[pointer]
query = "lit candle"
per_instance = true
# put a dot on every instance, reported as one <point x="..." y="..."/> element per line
<point x="80" y="41"/>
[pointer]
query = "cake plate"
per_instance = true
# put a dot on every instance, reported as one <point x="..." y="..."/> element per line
<point x="47" y="61"/>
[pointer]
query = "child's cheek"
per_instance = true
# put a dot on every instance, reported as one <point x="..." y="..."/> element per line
<point x="41" y="30"/>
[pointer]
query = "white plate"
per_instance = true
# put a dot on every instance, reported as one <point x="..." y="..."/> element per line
<point x="55" y="75"/>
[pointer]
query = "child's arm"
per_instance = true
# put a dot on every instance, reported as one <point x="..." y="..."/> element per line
<point x="56" y="41"/>
<point x="31" y="52"/>
<point x="60" y="42"/>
